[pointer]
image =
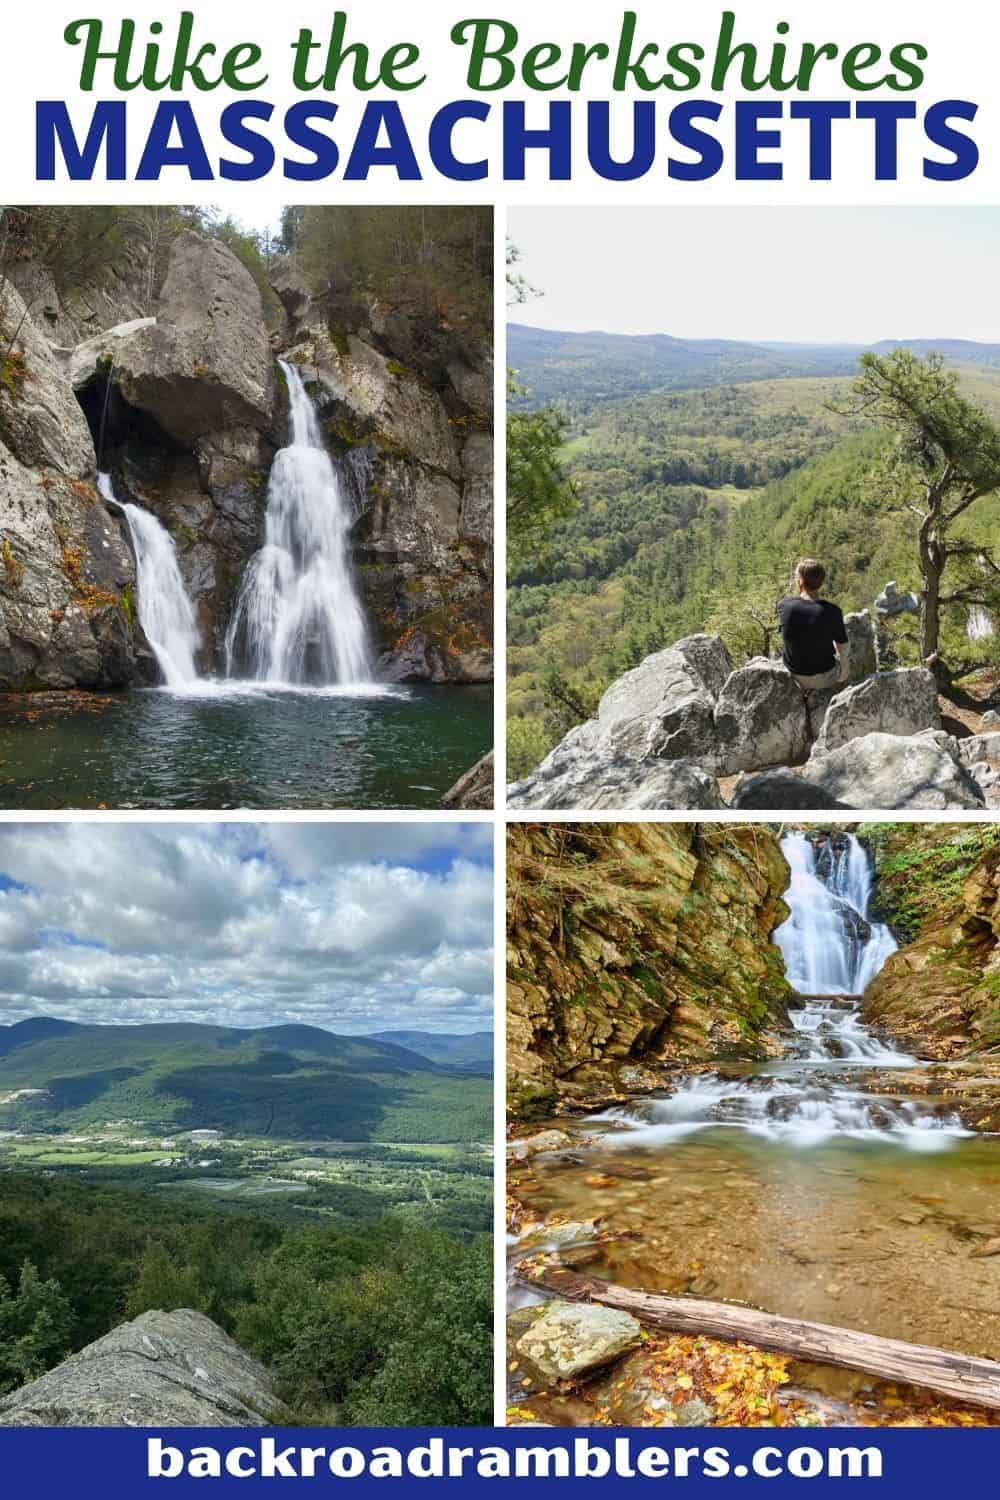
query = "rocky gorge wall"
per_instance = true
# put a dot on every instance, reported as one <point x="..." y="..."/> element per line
<point x="938" y="887"/>
<point x="184" y="399"/>
<point x="632" y="946"/>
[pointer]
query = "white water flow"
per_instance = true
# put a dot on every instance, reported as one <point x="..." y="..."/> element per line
<point x="298" y="616"/>
<point x="979" y="623"/>
<point x="166" y="613"/>
<point x="832" y="950"/>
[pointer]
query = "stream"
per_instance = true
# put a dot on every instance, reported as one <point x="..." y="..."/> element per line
<point x="808" y="1186"/>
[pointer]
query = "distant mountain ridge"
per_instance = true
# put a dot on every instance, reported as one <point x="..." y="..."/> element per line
<point x="288" y="1081"/>
<point x="553" y="365"/>
<point x="471" y="1051"/>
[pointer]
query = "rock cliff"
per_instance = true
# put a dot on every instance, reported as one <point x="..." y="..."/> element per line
<point x="174" y="1369"/>
<point x="412" y="426"/>
<point x="181" y="394"/>
<point x="636" y="945"/>
<point x="939" y="888"/>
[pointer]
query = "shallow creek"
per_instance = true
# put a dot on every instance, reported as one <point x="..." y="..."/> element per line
<point x="805" y="1186"/>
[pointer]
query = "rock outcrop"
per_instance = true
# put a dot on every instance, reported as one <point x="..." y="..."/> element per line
<point x="174" y="1369"/>
<point x="903" y="702"/>
<point x="67" y="575"/>
<point x="939" y="888"/>
<point x="667" y="729"/>
<point x="637" y="944"/>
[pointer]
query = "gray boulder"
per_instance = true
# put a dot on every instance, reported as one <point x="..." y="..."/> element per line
<point x="886" y="771"/>
<point x="577" y="775"/>
<point x="861" y="639"/>
<point x="174" y="1369"/>
<point x="206" y="362"/>
<point x="565" y="1340"/>
<point x="665" y="706"/>
<point x="760" y="719"/>
<point x="990" y="720"/>
<point x="979" y="749"/>
<point x="294" y="293"/>
<point x="891" y="602"/>
<point x="82" y="362"/>
<point x="902" y="702"/>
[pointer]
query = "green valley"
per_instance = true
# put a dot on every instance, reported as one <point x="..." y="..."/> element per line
<point x="693" y="501"/>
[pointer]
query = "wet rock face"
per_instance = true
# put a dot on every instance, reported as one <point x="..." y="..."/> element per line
<point x="637" y="944"/>
<point x="173" y="1369"/>
<point x="938" y="885"/>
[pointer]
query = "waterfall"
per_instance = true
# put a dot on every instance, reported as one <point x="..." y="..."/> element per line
<point x="979" y="623"/>
<point x="829" y="943"/>
<point x="298" y="617"/>
<point x="832" y="950"/>
<point x="166" y="613"/>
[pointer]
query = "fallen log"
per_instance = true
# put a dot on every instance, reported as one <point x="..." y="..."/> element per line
<point x="961" y="1377"/>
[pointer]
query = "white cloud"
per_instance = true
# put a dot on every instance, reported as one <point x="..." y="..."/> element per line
<point x="348" y="926"/>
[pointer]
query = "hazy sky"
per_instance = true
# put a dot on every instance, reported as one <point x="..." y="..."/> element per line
<point x="824" y="275"/>
<point x="354" y="927"/>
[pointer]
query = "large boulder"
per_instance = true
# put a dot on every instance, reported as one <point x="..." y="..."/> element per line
<point x="175" y="1369"/>
<point x="294" y="292"/>
<point x="665" y="706"/>
<point x="760" y="719"/>
<point x="567" y="1340"/>
<point x="861" y="639"/>
<point x="40" y="419"/>
<point x="205" y="364"/>
<point x="889" y="771"/>
<point x="902" y="702"/>
<point x="580" y="774"/>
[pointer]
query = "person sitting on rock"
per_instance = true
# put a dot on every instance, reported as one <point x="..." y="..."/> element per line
<point x="813" y="634"/>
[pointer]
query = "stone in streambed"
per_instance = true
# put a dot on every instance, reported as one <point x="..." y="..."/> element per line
<point x="565" y="1340"/>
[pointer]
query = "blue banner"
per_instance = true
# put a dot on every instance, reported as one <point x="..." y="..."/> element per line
<point x="126" y="1462"/>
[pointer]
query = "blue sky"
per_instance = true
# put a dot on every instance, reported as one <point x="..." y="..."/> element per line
<point x="356" y="927"/>
<point x="837" y="275"/>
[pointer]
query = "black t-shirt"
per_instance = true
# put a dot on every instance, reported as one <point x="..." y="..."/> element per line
<point x="809" y="628"/>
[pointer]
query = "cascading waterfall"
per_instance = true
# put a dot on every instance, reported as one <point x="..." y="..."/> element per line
<point x="978" y="623"/>
<point x="166" y="613"/>
<point x="829" y="944"/>
<point x="298" y="616"/>
<point x="832" y="951"/>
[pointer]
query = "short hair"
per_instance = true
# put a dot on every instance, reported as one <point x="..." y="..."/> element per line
<point x="810" y="573"/>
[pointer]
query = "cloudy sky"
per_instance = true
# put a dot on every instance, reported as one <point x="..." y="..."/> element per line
<point x="355" y="927"/>
<point x="801" y="275"/>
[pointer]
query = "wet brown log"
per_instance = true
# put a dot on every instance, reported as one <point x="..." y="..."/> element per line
<point x="961" y="1377"/>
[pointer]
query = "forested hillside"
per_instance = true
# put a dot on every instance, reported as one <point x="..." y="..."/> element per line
<point x="280" y="1082"/>
<point x="691" y="509"/>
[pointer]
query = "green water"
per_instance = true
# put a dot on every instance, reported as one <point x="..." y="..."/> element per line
<point x="255" y="749"/>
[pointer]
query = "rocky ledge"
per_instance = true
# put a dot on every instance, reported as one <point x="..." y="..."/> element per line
<point x="174" y="1369"/>
<point x="666" y="732"/>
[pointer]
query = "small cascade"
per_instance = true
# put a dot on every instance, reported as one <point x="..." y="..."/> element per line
<point x="298" y="616"/>
<point x="832" y="950"/>
<point x="166" y="613"/>
<point x="978" y="623"/>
